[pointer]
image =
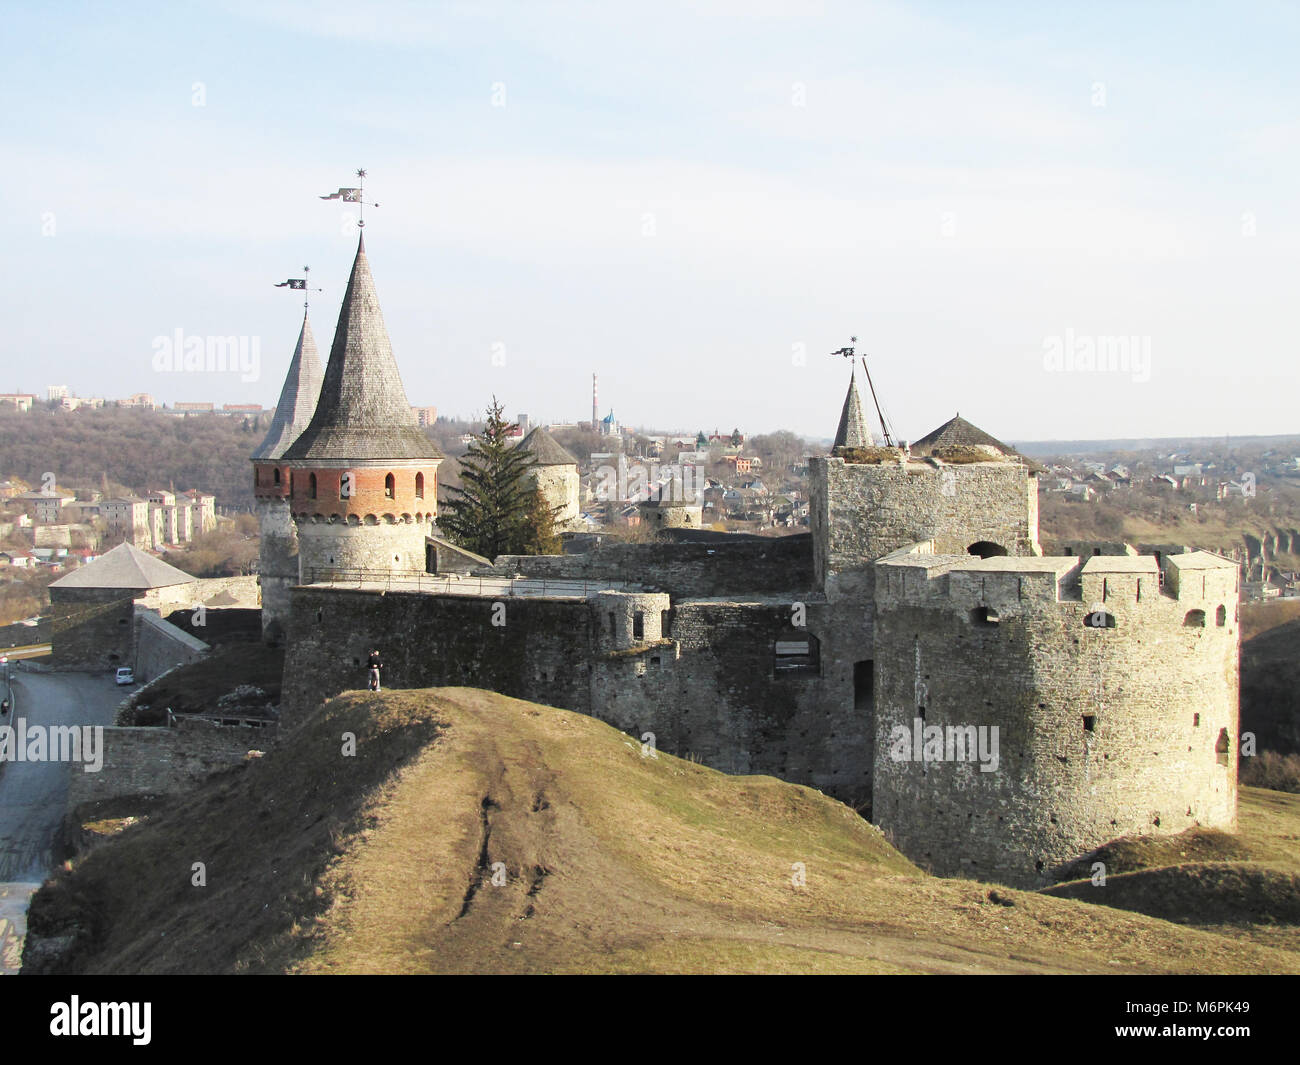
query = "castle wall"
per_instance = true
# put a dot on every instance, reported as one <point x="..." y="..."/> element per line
<point x="1102" y="732"/>
<point x="539" y="650"/>
<point x="715" y="568"/>
<point x="701" y="675"/>
<point x="91" y="628"/>
<point x="160" y="645"/>
<point x="712" y="692"/>
<point x="860" y="512"/>
<point x="163" y="761"/>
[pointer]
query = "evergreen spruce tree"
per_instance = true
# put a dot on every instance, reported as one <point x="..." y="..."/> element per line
<point x="539" y="535"/>
<point x="496" y="511"/>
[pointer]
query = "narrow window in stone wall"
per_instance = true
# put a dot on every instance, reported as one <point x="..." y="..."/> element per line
<point x="1089" y="722"/>
<point x="390" y="486"/>
<point x="1194" y="619"/>
<point x="665" y="623"/>
<point x="1221" y="616"/>
<point x="1196" y="721"/>
<point x="638" y="626"/>
<point x="311" y="486"/>
<point x="864" y="679"/>
<point x="1222" y="746"/>
<point x="419" y="486"/>
<point x="277" y="475"/>
<point x="613" y="627"/>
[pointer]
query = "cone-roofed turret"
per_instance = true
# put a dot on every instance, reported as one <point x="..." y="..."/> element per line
<point x="362" y="412"/>
<point x="297" y="397"/>
<point x="547" y="451"/>
<point x="853" y="431"/>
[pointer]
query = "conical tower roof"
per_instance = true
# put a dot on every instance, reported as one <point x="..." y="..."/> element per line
<point x="126" y="567"/>
<point x="547" y="451"/>
<point x="853" y="431"/>
<point x="362" y="412"/>
<point x="958" y="432"/>
<point x="297" y="397"/>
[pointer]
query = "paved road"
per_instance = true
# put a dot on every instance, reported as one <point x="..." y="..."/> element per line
<point x="33" y="794"/>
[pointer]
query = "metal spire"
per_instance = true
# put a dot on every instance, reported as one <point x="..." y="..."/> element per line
<point x="850" y="354"/>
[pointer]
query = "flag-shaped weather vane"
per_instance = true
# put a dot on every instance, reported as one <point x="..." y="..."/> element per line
<point x="300" y="283"/>
<point x="356" y="196"/>
<point x="850" y="353"/>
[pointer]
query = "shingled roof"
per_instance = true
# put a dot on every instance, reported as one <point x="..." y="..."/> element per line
<point x="853" y="431"/>
<point x="362" y="412"/>
<point x="297" y="398"/>
<point x="125" y="567"/>
<point x="958" y="432"/>
<point x="547" y="451"/>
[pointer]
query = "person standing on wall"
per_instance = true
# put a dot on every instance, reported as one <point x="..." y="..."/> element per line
<point x="374" y="666"/>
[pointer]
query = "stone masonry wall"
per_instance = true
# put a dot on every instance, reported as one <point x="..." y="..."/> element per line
<point x="701" y="675"/>
<point x="1103" y="732"/>
<point x="160" y="645"/>
<point x="540" y="653"/>
<point x="560" y="486"/>
<point x="162" y="761"/>
<point x="335" y="546"/>
<point x="277" y="564"/>
<point x="90" y="628"/>
<point x="860" y="512"/>
<point x="748" y="567"/>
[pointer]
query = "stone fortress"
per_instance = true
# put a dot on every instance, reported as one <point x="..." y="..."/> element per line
<point x="996" y="712"/>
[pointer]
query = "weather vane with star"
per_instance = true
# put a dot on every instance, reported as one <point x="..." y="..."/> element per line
<point x="354" y="196"/>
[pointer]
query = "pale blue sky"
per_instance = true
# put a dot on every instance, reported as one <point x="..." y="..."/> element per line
<point x="673" y="196"/>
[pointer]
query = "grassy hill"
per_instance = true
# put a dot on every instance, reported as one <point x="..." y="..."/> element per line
<point x="609" y="862"/>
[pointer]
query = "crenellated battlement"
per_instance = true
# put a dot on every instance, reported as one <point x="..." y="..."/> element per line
<point x="1123" y="586"/>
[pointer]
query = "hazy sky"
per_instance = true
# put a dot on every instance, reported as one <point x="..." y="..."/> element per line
<point x="680" y="197"/>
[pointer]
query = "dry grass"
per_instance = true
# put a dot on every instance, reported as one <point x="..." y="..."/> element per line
<point x="612" y="862"/>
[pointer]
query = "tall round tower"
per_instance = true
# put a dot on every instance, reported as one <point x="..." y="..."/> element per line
<point x="362" y="478"/>
<point x="278" y="552"/>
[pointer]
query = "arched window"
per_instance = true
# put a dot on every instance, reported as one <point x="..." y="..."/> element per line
<point x="982" y="615"/>
<point x="390" y="486"/>
<point x="1099" y="618"/>
<point x="986" y="549"/>
<point x="1221" y="616"/>
<point x="257" y="476"/>
<point x="311" y="486"/>
<point x="277" y="475"/>
<point x="419" y="486"/>
<point x="1194" y="619"/>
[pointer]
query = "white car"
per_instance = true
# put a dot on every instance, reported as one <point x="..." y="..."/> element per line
<point x="126" y="675"/>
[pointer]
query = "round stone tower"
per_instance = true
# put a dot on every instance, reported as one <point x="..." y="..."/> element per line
<point x="555" y="474"/>
<point x="278" y="551"/>
<point x="362" y="478"/>
<point x="1030" y="710"/>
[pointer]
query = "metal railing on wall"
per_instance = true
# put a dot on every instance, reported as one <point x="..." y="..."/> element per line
<point x="518" y="586"/>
